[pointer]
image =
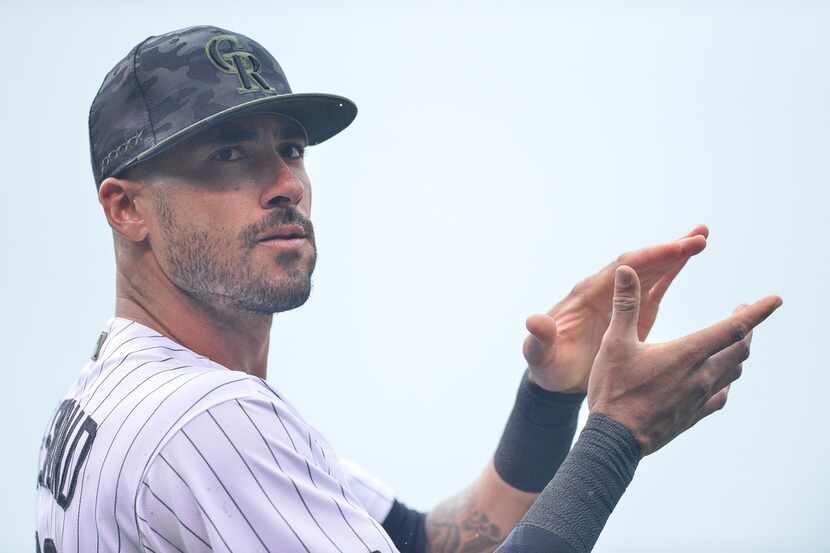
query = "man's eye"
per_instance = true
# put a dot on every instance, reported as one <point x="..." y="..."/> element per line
<point x="230" y="153"/>
<point x="292" y="151"/>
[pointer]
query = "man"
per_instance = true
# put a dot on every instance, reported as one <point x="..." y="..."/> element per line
<point x="171" y="439"/>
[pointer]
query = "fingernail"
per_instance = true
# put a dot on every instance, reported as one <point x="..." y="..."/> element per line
<point x="624" y="276"/>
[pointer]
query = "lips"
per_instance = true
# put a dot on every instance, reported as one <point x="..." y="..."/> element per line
<point x="285" y="232"/>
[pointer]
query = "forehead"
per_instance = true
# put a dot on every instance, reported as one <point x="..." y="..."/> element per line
<point x="250" y="127"/>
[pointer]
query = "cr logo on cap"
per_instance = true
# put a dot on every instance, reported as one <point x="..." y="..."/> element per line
<point x="244" y="64"/>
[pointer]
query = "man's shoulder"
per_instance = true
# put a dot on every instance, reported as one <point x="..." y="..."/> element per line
<point x="141" y="388"/>
<point x="136" y="372"/>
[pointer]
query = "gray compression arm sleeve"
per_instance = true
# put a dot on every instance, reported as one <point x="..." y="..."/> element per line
<point x="571" y="511"/>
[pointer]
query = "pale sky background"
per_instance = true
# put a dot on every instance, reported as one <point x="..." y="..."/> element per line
<point x="499" y="156"/>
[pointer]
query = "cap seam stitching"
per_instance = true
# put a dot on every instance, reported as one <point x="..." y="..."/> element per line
<point x="93" y="156"/>
<point x="141" y="90"/>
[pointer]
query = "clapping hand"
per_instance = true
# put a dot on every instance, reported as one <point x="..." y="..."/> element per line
<point x="563" y="342"/>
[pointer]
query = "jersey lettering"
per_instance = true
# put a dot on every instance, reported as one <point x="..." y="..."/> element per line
<point x="59" y="468"/>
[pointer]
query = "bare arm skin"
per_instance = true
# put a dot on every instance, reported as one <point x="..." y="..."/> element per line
<point x="479" y="518"/>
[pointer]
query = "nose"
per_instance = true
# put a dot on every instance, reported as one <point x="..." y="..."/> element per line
<point x="283" y="185"/>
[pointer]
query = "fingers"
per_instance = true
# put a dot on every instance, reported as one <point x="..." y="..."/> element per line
<point x="659" y="289"/>
<point x="714" y="403"/>
<point x="660" y="256"/>
<point x="730" y="359"/>
<point x="701" y="230"/>
<point x="705" y="343"/>
<point x="542" y="336"/>
<point x="626" y="304"/>
<point x="661" y="286"/>
<point x="726" y="366"/>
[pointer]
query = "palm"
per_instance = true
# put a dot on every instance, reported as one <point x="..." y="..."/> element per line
<point x="564" y="361"/>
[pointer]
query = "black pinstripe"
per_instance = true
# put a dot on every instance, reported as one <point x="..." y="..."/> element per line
<point x="241" y="512"/>
<point x="159" y="534"/>
<point x="112" y="371"/>
<point x="103" y="361"/>
<point x="207" y="516"/>
<point x="101" y="354"/>
<point x="342" y="514"/>
<point x="172" y="512"/>
<point x="311" y="477"/>
<point x="287" y="433"/>
<point x="115" y="387"/>
<point x="375" y="524"/>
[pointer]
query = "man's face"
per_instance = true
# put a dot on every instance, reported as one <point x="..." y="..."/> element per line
<point x="230" y="207"/>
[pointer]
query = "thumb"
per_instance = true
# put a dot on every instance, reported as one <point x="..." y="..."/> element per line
<point x="542" y="336"/>
<point x="542" y="327"/>
<point x="626" y="304"/>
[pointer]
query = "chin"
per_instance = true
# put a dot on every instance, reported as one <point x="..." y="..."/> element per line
<point x="289" y="292"/>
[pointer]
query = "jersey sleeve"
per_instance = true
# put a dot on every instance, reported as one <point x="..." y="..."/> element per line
<point x="375" y="496"/>
<point x="246" y="475"/>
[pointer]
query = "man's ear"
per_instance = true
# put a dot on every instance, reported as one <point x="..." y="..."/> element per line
<point x="125" y="207"/>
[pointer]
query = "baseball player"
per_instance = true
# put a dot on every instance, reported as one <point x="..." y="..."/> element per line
<point x="171" y="440"/>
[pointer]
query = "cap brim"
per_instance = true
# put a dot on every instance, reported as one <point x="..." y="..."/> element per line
<point x="321" y="115"/>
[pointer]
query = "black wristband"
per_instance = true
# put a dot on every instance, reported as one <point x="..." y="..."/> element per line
<point x="407" y="528"/>
<point x="537" y="436"/>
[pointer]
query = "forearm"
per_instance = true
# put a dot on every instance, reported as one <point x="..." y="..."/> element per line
<point x="478" y="519"/>
<point x="536" y="439"/>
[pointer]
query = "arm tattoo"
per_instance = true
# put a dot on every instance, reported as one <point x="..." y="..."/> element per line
<point x="458" y="527"/>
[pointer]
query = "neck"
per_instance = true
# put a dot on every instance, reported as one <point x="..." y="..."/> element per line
<point x="238" y="340"/>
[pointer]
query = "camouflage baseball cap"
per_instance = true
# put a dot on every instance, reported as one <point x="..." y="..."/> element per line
<point x="173" y="85"/>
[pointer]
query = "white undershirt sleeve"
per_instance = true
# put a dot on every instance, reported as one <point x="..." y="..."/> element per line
<point x="375" y="496"/>
<point x="247" y="476"/>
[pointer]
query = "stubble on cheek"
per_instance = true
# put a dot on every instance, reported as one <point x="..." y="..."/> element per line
<point x="215" y="266"/>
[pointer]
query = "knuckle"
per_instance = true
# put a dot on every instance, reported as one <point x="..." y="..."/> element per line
<point x="624" y="302"/>
<point x="614" y="344"/>
<point x="678" y="355"/>
<point x="737" y="371"/>
<point x="701" y="387"/>
<point x="688" y="356"/>
<point x="739" y="330"/>
<point x="743" y="351"/>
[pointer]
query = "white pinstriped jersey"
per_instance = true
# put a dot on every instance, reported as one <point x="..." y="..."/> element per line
<point x="158" y="449"/>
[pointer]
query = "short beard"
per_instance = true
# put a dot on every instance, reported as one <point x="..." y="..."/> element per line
<point x="200" y="265"/>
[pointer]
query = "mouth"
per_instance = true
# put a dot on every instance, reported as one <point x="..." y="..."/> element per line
<point x="286" y="236"/>
<point x="285" y="232"/>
